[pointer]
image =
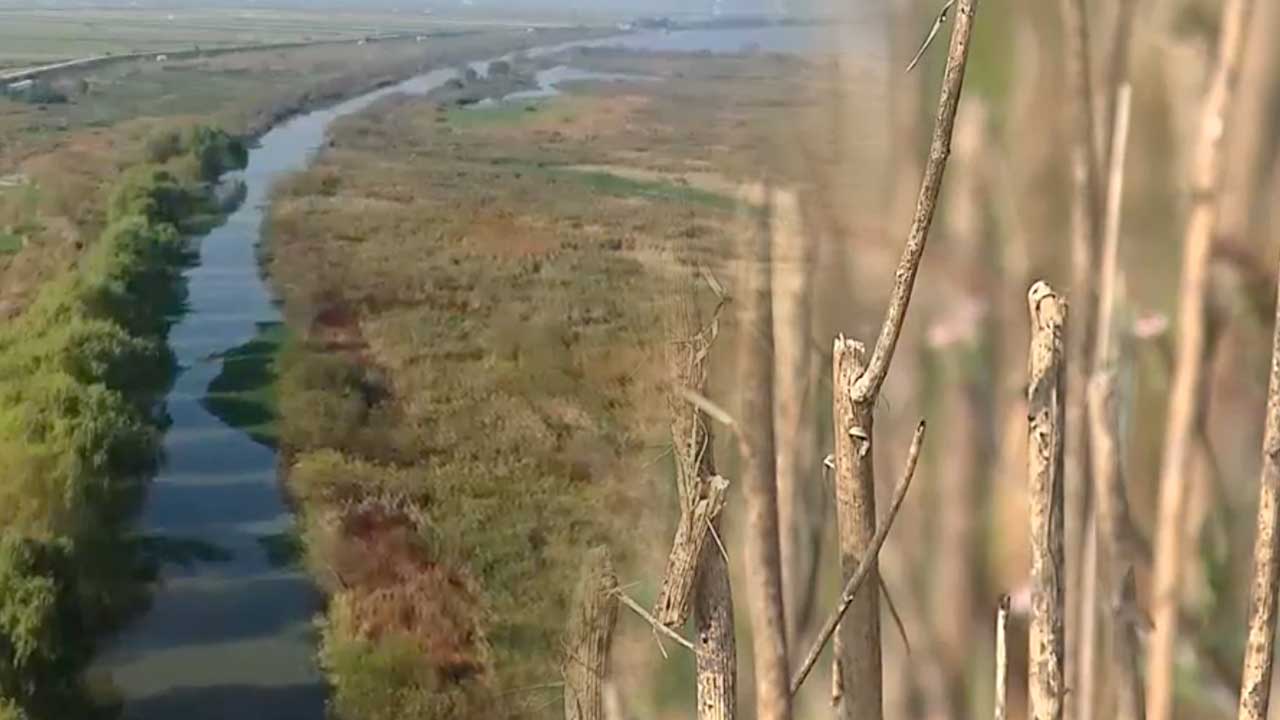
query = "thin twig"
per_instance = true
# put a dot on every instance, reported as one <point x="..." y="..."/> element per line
<point x="933" y="32"/>
<point x="864" y="568"/>
<point x="713" y="411"/>
<point x="657" y="626"/>
<point x="868" y="386"/>
<point x="893" y="612"/>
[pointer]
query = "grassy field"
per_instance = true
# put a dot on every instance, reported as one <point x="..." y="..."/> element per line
<point x="474" y="393"/>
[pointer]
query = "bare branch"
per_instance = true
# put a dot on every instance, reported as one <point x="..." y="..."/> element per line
<point x="1114" y="524"/>
<point x="657" y="626"/>
<point x="706" y="405"/>
<point x="856" y="580"/>
<point x="868" y="386"/>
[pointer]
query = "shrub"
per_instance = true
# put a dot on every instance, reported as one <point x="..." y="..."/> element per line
<point x="216" y="152"/>
<point x="163" y="145"/>
<point x="152" y="194"/>
<point x="42" y="641"/>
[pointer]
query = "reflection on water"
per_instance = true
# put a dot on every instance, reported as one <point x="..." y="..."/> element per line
<point x="548" y="82"/>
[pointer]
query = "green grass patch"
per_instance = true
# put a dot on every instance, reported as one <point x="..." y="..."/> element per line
<point x="501" y="113"/>
<point x="9" y="243"/>
<point x="244" y="393"/>
<point x="609" y="184"/>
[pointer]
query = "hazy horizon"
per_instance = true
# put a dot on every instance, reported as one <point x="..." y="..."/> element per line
<point x="622" y="7"/>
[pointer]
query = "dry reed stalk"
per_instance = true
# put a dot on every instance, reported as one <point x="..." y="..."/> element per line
<point x="799" y="522"/>
<point x="1086" y="234"/>
<point x="716" y="649"/>
<point x="760" y="490"/>
<point x="1122" y="664"/>
<point x="1185" y="399"/>
<point x="1255" y="688"/>
<point x="1045" y="409"/>
<point x="1117" y="73"/>
<point x="1092" y="683"/>
<point x="1111" y="235"/>
<point x="1002" y="659"/>
<point x="856" y="392"/>
<point x="1088" y="689"/>
<point x="590" y="635"/>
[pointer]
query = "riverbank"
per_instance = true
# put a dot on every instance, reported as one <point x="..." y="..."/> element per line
<point x="80" y="371"/>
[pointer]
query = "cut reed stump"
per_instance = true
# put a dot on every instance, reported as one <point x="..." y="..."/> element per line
<point x="697" y="569"/>
<point x="701" y="491"/>
<point x="856" y="516"/>
<point x="716" y="652"/>
<point x="590" y="635"/>
<point x="1045" y="408"/>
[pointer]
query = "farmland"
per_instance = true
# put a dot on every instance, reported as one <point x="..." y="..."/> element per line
<point x="39" y="36"/>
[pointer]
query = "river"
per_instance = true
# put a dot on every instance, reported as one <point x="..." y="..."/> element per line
<point x="234" y="637"/>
